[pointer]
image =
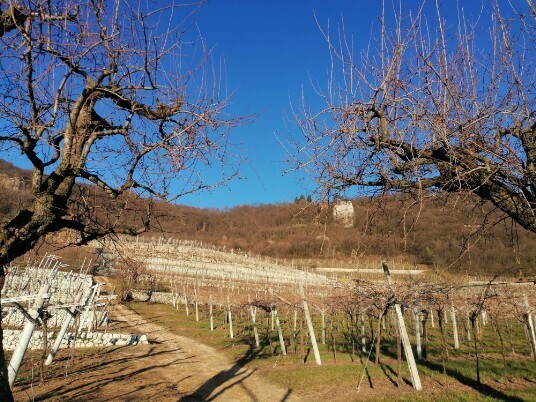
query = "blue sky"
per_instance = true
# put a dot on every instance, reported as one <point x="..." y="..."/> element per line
<point x="272" y="50"/>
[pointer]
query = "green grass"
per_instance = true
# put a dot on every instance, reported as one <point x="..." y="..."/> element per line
<point x="337" y="379"/>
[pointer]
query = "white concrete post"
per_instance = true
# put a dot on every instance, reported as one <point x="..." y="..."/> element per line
<point x="26" y="335"/>
<point x="454" y="328"/>
<point x="63" y="330"/>
<point x="310" y="327"/>
<point x="417" y="332"/>
<point x="253" y="311"/>
<point x="280" y="333"/>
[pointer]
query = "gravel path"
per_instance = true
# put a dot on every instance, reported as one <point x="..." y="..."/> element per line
<point x="170" y="368"/>
<point x="198" y="371"/>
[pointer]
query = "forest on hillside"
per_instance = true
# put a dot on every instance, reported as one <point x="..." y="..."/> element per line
<point x="438" y="231"/>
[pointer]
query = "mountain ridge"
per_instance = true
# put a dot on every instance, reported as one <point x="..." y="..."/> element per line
<point x="438" y="231"/>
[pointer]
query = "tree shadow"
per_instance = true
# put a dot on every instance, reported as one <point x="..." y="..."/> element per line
<point x="366" y="372"/>
<point x="86" y="390"/>
<point x="484" y="389"/>
<point x="228" y="379"/>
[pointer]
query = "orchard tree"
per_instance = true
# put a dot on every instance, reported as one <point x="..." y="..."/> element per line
<point x="431" y="104"/>
<point x="111" y="93"/>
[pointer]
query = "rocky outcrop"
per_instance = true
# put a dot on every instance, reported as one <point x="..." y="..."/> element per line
<point x="343" y="213"/>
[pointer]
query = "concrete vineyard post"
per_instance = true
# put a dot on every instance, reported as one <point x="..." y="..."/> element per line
<point x="310" y="327"/>
<point x="454" y="327"/>
<point x="63" y="330"/>
<point x="196" y="304"/>
<point x="530" y="328"/>
<point x="26" y="334"/>
<point x="417" y="332"/>
<point x="468" y="324"/>
<point x="253" y="311"/>
<point x="414" y="373"/>
<point x="211" y="315"/>
<point x="230" y="318"/>
<point x="280" y="333"/>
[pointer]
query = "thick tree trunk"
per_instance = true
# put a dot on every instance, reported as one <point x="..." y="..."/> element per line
<point x="21" y="234"/>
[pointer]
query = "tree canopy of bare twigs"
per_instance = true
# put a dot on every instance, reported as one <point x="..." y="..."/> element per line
<point x="109" y="92"/>
<point x="430" y="104"/>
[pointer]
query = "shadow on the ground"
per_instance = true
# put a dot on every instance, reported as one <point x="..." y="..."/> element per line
<point x="227" y="379"/>
<point x="88" y="389"/>
<point x="484" y="389"/>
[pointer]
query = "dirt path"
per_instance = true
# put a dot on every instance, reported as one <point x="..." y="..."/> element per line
<point x="171" y="368"/>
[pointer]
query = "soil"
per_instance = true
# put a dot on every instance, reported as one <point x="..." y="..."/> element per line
<point x="170" y="368"/>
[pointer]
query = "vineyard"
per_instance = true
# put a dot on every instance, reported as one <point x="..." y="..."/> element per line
<point x="43" y="295"/>
<point x="302" y="330"/>
<point x="292" y="312"/>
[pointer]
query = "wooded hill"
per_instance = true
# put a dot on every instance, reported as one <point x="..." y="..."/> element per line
<point x="438" y="231"/>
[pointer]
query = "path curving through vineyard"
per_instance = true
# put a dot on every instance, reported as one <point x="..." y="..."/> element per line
<point x="199" y="372"/>
<point x="170" y="368"/>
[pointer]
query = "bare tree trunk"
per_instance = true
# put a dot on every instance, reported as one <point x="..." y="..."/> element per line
<point x="510" y="339"/>
<point x="323" y="319"/>
<point x="333" y="343"/>
<point x="45" y="349"/>
<point x="363" y="336"/>
<point x="398" y="358"/>
<point x="424" y="337"/>
<point x="294" y="331"/>
<point x="474" y="321"/>
<point x="496" y="326"/>
<point x="378" y="339"/>
<point x="444" y="354"/>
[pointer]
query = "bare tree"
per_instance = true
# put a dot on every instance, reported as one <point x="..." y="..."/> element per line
<point x="112" y="93"/>
<point x="430" y="104"/>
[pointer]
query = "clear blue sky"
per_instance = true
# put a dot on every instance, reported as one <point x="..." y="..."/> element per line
<point x="272" y="50"/>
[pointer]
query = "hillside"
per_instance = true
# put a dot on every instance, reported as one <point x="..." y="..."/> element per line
<point x="440" y="231"/>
